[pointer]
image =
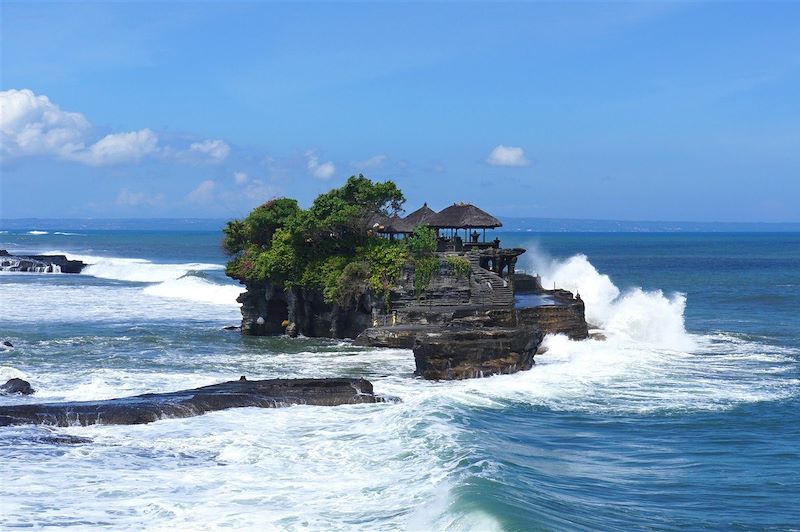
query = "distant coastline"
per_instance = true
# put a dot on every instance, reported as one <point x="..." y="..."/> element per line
<point x="510" y="224"/>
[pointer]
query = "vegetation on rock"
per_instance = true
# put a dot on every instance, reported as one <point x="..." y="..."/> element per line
<point x="460" y="266"/>
<point x="328" y="246"/>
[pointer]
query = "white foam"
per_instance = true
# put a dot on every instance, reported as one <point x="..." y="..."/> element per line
<point x="644" y="316"/>
<point x="174" y="280"/>
<point x="139" y="270"/>
<point x="53" y="303"/>
<point x="7" y="372"/>
<point x="38" y="232"/>
<point x="196" y="289"/>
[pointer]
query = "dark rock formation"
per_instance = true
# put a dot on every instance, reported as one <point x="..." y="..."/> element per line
<point x="42" y="435"/>
<point x="463" y="353"/>
<point x="7" y="343"/>
<point x="462" y="326"/>
<point x="16" y="386"/>
<point x="146" y="408"/>
<point x="39" y="263"/>
<point x="268" y="310"/>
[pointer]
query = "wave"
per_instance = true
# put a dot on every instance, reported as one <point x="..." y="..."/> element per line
<point x="139" y="270"/>
<point x="38" y="233"/>
<point x="643" y="316"/>
<point x="186" y="281"/>
<point x="192" y="288"/>
<point x="68" y="234"/>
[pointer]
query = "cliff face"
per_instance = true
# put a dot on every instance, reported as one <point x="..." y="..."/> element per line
<point x="461" y="327"/>
<point x="268" y="310"/>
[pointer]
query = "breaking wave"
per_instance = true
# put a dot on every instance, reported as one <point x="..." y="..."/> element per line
<point x="643" y="316"/>
<point x="139" y="270"/>
<point x="187" y="281"/>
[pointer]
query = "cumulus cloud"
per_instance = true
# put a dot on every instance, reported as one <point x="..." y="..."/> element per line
<point x="319" y="170"/>
<point x="32" y="125"/>
<point x="373" y="162"/>
<point x="240" y="178"/>
<point x="507" y="156"/>
<point x="217" y="150"/>
<point x="118" y="148"/>
<point x="133" y="199"/>
<point x="203" y="193"/>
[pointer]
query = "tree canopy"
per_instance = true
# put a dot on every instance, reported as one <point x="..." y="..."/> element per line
<point x="328" y="246"/>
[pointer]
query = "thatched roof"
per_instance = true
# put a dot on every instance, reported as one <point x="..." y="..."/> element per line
<point x="385" y="224"/>
<point x="420" y="216"/>
<point x="463" y="215"/>
<point x="399" y="225"/>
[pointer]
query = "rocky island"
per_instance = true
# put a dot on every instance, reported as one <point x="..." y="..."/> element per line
<point x="350" y="267"/>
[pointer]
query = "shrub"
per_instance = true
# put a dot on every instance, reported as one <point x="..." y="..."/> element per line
<point x="460" y="265"/>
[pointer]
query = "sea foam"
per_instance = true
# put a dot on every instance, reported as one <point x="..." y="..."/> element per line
<point x="166" y="280"/>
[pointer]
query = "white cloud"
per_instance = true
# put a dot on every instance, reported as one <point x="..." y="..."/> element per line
<point x="32" y="125"/>
<point x="130" y="198"/>
<point x="203" y="193"/>
<point x="217" y="150"/>
<point x="240" y="178"/>
<point x="260" y="192"/>
<point x="507" y="156"/>
<point x="373" y="162"/>
<point x="319" y="170"/>
<point x="118" y="148"/>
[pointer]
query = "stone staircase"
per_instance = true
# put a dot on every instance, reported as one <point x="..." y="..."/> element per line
<point x="488" y="288"/>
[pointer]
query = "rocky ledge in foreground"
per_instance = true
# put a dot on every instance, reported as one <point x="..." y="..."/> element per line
<point x="39" y="263"/>
<point x="273" y="393"/>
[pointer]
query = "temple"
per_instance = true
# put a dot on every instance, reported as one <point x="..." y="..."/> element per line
<point x="450" y="224"/>
<point x="463" y="309"/>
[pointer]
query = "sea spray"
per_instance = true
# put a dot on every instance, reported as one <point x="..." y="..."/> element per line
<point x="643" y="316"/>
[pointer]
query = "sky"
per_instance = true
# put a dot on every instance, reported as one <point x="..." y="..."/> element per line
<point x="628" y="111"/>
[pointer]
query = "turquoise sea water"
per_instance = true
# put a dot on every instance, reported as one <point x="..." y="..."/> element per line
<point x="687" y="416"/>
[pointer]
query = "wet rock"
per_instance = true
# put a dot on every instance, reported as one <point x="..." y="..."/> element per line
<point x="64" y="439"/>
<point x="39" y="263"/>
<point x="16" y="386"/>
<point x="475" y="352"/>
<point x="232" y="328"/>
<point x="273" y="393"/>
<point x="7" y="343"/>
<point x="397" y="337"/>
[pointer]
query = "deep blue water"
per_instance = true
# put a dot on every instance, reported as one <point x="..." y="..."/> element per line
<point x="685" y="417"/>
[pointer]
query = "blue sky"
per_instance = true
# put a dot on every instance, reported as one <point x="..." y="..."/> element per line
<point x="633" y="111"/>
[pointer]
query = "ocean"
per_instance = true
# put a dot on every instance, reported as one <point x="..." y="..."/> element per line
<point x="686" y="416"/>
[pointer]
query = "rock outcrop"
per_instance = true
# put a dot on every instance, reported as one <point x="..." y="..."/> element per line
<point x="463" y="325"/>
<point x="469" y="352"/>
<point x="39" y="263"/>
<point x="151" y="407"/>
<point x="16" y="386"/>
